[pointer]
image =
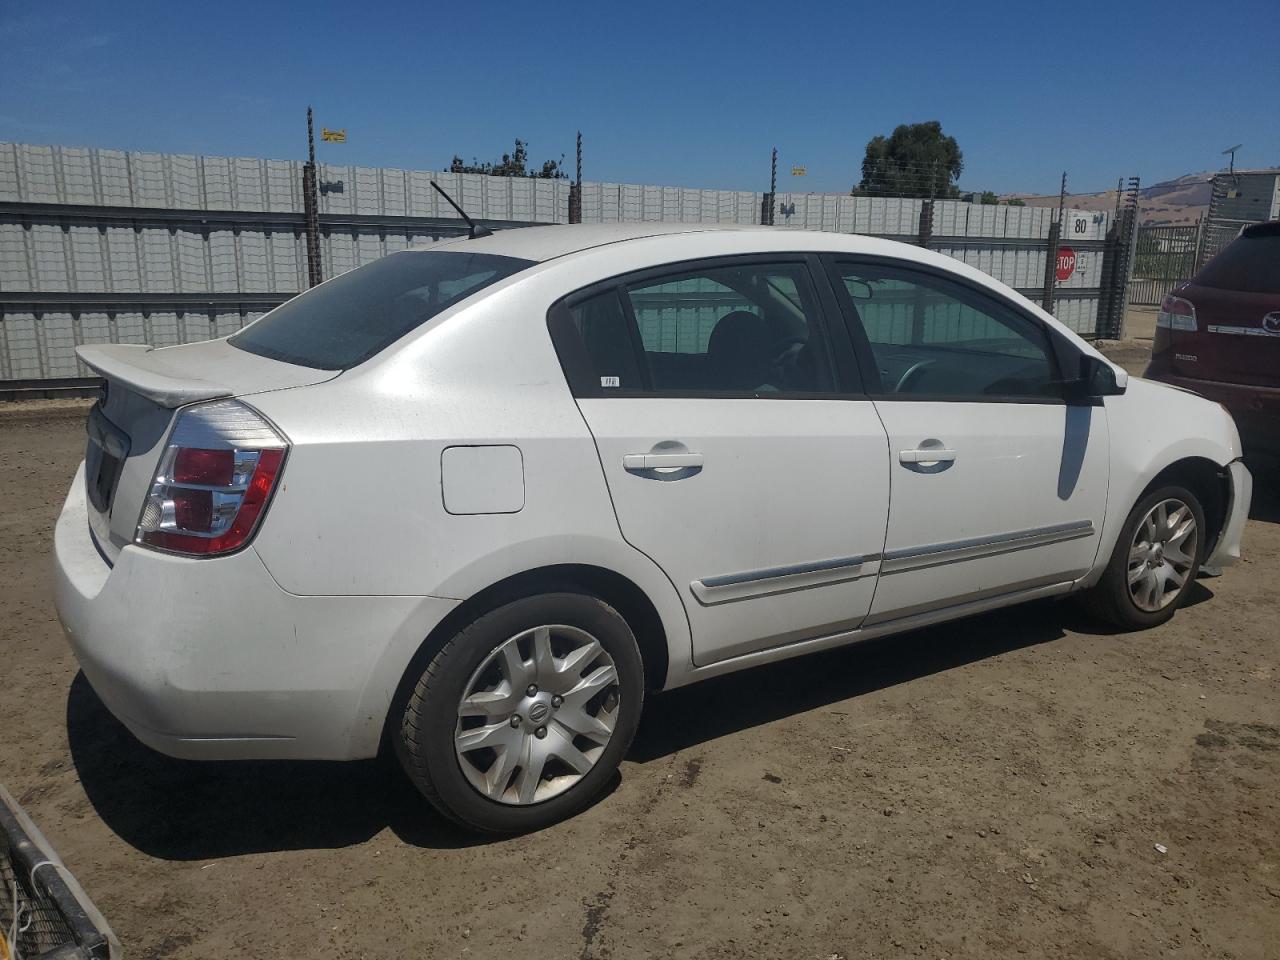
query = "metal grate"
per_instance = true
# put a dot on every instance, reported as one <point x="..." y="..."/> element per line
<point x="54" y="917"/>
<point x="43" y="928"/>
<point x="1165" y="259"/>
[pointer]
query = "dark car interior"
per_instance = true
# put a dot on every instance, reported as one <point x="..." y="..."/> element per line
<point x="944" y="341"/>
<point x="727" y="330"/>
<point x="746" y="330"/>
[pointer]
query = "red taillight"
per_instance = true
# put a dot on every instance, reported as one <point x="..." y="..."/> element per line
<point x="1176" y="314"/>
<point x="213" y="482"/>
<point x="212" y="467"/>
<point x="192" y="509"/>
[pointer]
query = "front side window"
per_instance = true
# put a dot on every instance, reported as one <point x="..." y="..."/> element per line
<point x="935" y="337"/>
<point x="736" y="329"/>
<point x="345" y="321"/>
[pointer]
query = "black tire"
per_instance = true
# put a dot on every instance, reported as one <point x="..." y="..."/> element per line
<point x="424" y="736"/>
<point x="1109" y="600"/>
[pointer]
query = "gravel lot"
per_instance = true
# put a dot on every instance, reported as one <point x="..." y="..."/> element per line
<point x="990" y="788"/>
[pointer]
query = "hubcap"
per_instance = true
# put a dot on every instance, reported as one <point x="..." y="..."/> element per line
<point x="1162" y="555"/>
<point x="537" y="714"/>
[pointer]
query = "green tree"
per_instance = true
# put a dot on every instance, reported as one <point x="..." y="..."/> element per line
<point x="514" y="164"/>
<point x="1017" y="202"/>
<point x="988" y="197"/>
<point x="916" y="160"/>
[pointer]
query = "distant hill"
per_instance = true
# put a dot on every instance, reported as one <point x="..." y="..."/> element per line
<point x="1179" y="201"/>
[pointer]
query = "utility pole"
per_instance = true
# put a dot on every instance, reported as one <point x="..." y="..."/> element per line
<point x="311" y="207"/>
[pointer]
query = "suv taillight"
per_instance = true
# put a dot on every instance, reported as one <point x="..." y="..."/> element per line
<point x="213" y="482"/>
<point x="1176" y="314"/>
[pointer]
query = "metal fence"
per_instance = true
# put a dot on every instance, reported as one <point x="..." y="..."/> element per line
<point x="1165" y="257"/>
<point x="109" y="246"/>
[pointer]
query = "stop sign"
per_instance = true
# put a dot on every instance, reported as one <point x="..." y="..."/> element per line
<point x="1066" y="263"/>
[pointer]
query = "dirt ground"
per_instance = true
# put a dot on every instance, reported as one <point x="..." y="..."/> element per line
<point x="991" y="788"/>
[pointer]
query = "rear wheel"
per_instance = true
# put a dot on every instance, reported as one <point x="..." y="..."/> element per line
<point x="521" y="719"/>
<point x="1155" y="561"/>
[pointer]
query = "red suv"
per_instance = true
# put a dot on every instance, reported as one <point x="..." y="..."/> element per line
<point x="1219" y="335"/>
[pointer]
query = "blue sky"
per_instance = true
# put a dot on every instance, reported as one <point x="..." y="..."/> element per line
<point x="687" y="93"/>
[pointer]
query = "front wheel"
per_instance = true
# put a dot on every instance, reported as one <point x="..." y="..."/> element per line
<point x="521" y="718"/>
<point x="1154" y="563"/>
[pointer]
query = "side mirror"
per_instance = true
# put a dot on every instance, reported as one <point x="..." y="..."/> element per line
<point x="1098" y="378"/>
<point x="858" y="289"/>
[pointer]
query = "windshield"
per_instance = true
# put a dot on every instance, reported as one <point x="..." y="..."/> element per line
<point x="345" y="321"/>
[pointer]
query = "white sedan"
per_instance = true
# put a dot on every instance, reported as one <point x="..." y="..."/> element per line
<point x="476" y="500"/>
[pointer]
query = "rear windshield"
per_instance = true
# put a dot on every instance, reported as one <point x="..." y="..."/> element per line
<point x="347" y="320"/>
<point x="1249" y="264"/>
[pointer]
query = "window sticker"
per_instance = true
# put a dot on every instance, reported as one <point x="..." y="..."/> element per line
<point x="610" y="381"/>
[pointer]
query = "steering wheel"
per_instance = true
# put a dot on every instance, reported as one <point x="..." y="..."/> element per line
<point x="914" y="372"/>
<point x="785" y="353"/>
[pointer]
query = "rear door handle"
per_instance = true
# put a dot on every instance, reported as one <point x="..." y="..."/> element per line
<point x="927" y="455"/>
<point x="654" y="461"/>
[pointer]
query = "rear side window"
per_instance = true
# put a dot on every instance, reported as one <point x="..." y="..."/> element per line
<point x="345" y="321"/>
<point x="747" y="329"/>
<point x="1248" y="264"/>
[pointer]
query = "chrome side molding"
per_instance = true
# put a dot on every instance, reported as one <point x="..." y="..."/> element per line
<point x="934" y="554"/>
<point x="757" y="583"/>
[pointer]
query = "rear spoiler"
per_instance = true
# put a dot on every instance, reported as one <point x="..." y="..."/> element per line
<point x="56" y="919"/>
<point x="144" y="371"/>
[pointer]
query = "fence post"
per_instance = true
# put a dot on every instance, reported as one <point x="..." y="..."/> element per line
<point x="1117" y="265"/>
<point x="925" y="233"/>
<point x="575" y="203"/>
<point x="311" y="208"/>
<point x="766" y="205"/>
<point x="1106" y="292"/>
<point x="1051" y="263"/>
<point x="575" y="188"/>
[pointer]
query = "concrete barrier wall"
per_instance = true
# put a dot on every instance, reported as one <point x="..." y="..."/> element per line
<point x="108" y="245"/>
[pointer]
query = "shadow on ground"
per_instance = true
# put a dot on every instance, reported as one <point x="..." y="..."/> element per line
<point x="187" y="810"/>
<point x="190" y="810"/>
<point x="714" y="708"/>
<point x="1266" y="493"/>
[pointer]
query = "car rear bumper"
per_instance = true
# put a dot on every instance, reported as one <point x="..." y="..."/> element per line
<point x="1255" y="409"/>
<point x="210" y="659"/>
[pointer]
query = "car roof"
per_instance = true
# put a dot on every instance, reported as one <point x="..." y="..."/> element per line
<point x="544" y="243"/>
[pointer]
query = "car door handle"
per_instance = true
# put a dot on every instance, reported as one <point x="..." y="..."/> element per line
<point x="636" y="462"/>
<point x="927" y="455"/>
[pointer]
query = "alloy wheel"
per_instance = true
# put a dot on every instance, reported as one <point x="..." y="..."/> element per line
<point x="537" y="714"/>
<point x="1162" y="555"/>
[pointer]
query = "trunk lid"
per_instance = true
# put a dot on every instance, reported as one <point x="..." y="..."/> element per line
<point x="143" y="389"/>
<point x="1237" y="337"/>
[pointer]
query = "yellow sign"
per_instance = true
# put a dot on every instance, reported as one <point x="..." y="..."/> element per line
<point x="798" y="171"/>
<point x="333" y="136"/>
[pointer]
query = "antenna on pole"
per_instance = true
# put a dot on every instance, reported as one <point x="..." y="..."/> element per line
<point x="1232" y="152"/>
<point x="476" y="229"/>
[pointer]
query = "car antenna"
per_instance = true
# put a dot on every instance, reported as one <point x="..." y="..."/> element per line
<point x="476" y="229"/>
